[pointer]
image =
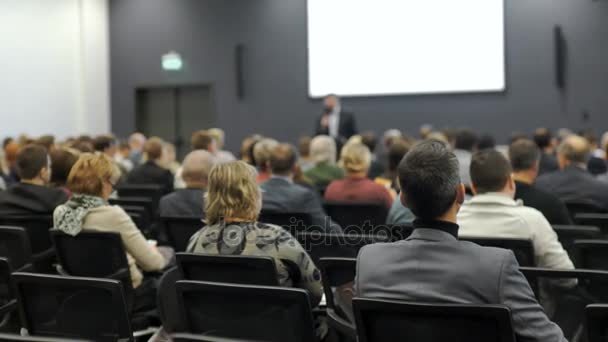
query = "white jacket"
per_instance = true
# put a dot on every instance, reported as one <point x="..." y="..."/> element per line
<point x="498" y="215"/>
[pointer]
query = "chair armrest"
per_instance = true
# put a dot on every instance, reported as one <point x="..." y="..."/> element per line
<point x="343" y="326"/>
<point x="8" y="307"/>
<point x="47" y="254"/>
<point x="27" y="268"/>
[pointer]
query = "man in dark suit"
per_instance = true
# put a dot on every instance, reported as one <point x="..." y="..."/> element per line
<point x="573" y="182"/>
<point x="335" y="122"/>
<point x="189" y="202"/>
<point x="433" y="266"/>
<point x="151" y="172"/>
<point x="32" y="196"/>
<point x="281" y="194"/>
<point x="525" y="159"/>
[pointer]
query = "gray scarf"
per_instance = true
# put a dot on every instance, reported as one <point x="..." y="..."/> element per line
<point x="69" y="217"/>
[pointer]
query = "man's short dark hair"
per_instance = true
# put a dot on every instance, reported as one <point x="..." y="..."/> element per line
<point x="485" y="142"/>
<point x="30" y="160"/>
<point x="282" y="159"/>
<point x="490" y="171"/>
<point x="429" y="178"/>
<point x="542" y="137"/>
<point x="370" y="140"/>
<point x="396" y="152"/>
<point x="201" y="140"/>
<point x="466" y="139"/>
<point x="103" y="142"/>
<point x="524" y="154"/>
<point x="154" y="148"/>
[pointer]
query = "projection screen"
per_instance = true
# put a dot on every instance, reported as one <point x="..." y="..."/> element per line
<point x="389" y="47"/>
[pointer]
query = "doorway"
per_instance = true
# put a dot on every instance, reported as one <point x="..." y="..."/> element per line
<point x="173" y="113"/>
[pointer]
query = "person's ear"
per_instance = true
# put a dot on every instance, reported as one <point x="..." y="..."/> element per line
<point x="460" y="194"/>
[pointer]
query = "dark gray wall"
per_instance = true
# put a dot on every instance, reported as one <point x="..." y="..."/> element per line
<point x="276" y="103"/>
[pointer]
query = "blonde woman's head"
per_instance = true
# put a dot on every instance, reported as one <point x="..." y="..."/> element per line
<point x="355" y="158"/>
<point x="233" y="193"/>
<point x="93" y="174"/>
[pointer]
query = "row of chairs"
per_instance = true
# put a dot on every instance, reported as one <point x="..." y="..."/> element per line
<point x="223" y="294"/>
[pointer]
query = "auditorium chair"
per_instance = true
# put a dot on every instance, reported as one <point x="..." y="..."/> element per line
<point x="139" y="215"/>
<point x="576" y="207"/>
<point x="292" y="222"/>
<point x="565" y="303"/>
<point x="8" y="302"/>
<point x="567" y="234"/>
<point x="19" y="338"/>
<point x="338" y="276"/>
<point x="388" y="321"/>
<point x="234" y="269"/>
<point x="597" y="322"/>
<point x="200" y="338"/>
<point x="523" y="249"/>
<point x="152" y="192"/>
<point x="591" y="254"/>
<point x="247" y="312"/>
<point x="321" y="245"/>
<point x="37" y="229"/>
<point x="593" y="219"/>
<point x="71" y="307"/>
<point x="143" y="202"/>
<point x="356" y="214"/>
<point x="15" y="246"/>
<point x="179" y="230"/>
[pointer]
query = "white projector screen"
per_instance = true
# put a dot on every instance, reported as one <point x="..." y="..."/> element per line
<point x="387" y="47"/>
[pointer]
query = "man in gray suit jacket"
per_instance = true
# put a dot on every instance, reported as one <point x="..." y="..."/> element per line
<point x="281" y="194"/>
<point x="433" y="266"/>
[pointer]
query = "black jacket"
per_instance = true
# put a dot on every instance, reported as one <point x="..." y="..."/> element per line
<point x="553" y="209"/>
<point x="575" y="184"/>
<point x="182" y="203"/>
<point x="29" y="199"/>
<point x="150" y="173"/>
<point x="347" y="127"/>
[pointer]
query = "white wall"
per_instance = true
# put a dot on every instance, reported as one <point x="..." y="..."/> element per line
<point x="54" y="65"/>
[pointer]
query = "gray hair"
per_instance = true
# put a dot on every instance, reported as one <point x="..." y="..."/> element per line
<point x="263" y="150"/>
<point x="323" y="149"/>
<point x="197" y="165"/>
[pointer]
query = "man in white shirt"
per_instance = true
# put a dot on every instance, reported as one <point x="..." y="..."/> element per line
<point x="334" y="121"/>
<point x="493" y="212"/>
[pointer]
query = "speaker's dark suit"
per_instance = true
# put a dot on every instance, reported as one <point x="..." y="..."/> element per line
<point x="347" y="127"/>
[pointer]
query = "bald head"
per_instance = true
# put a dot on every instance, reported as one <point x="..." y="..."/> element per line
<point x="196" y="168"/>
<point x="137" y="141"/>
<point x="573" y="150"/>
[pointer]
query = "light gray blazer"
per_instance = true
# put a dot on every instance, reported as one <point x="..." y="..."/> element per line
<point x="433" y="266"/>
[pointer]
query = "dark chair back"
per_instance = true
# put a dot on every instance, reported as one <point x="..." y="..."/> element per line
<point x="356" y="214"/>
<point x="200" y="338"/>
<point x="126" y="202"/>
<point x="70" y="307"/>
<point x="168" y="308"/>
<point x="8" y="303"/>
<point x="94" y="254"/>
<point x="591" y="254"/>
<point x="384" y="321"/>
<point x="567" y="234"/>
<point x="582" y="206"/>
<point x="142" y="218"/>
<point x="338" y="276"/>
<point x="566" y="299"/>
<point x="320" y="245"/>
<point x="253" y="313"/>
<point x="523" y="249"/>
<point x="235" y="269"/>
<point x="18" y="338"/>
<point x="15" y="246"/>
<point x="593" y="219"/>
<point x="152" y="192"/>
<point x="292" y="222"/>
<point x="597" y="322"/>
<point x="179" y="230"/>
<point x="37" y="229"/>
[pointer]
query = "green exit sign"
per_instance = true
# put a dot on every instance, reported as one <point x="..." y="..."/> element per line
<point x="172" y="61"/>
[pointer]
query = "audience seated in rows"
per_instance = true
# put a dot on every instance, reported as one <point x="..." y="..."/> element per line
<point x="397" y="149"/>
<point x="137" y="141"/>
<point x="356" y="187"/>
<point x="188" y="202"/>
<point x="546" y="143"/>
<point x="376" y="169"/>
<point x="493" y="212"/>
<point x="464" y="145"/>
<point x="323" y="153"/>
<point x="433" y="266"/>
<point x="305" y="161"/>
<point x="222" y="156"/>
<point x="199" y="141"/>
<point x="261" y="156"/>
<point x="525" y="160"/>
<point x="573" y="182"/>
<point x="151" y="172"/>
<point x="106" y="144"/>
<point x="62" y="160"/>
<point x="232" y="208"/>
<point x="280" y="193"/>
<point x="91" y="181"/>
<point x="32" y="196"/>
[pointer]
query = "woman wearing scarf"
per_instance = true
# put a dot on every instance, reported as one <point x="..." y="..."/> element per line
<point x="91" y="181"/>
